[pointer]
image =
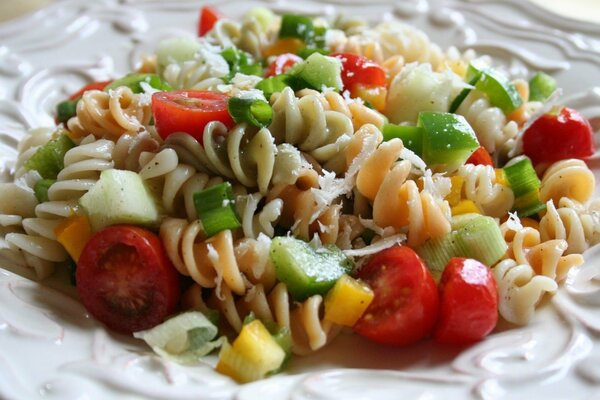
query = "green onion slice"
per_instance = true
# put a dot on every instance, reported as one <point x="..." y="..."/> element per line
<point x="525" y="185"/>
<point x="215" y="208"/>
<point x="240" y="61"/>
<point x="253" y="111"/>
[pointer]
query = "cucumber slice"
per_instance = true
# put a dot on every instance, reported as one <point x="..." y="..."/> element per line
<point x="134" y="82"/>
<point x="307" y="271"/>
<point x="472" y="236"/>
<point x="48" y="160"/>
<point x="318" y="71"/>
<point x="448" y="139"/>
<point x="175" y="50"/>
<point x="119" y="197"/>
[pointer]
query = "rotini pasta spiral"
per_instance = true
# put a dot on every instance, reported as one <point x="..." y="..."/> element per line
<point x="567" y="178"/>
<point x="242" y="154"/>
<point x="129" y="147"/>
<point x="110" y="114"/>
<point x="545" y="257"/>
<point x="204" y="72"/>
<point x="489" y="123"/>
<point x="520" y="290"/>
<point x="481" y="187"/>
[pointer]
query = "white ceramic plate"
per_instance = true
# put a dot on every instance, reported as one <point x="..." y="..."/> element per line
<point x="50" y="348"/>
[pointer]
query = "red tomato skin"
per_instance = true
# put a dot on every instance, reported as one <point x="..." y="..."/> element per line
<point x="90" y="86"/>
<point x="189" y="111"/>
<point x="104" y="280"/>
<point x="282" y="64"/>
<point x="208" y="17"/>
<point x="405" y="306"/>
<point x="359" y="70"/>
<point x="558" y="136"/>
<point x="468" y="302"/>
<point x="480" y="157"/>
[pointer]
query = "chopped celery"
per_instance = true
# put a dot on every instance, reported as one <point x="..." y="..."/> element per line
<point x="541" y="86"/>
<point x="307" y="271"/>
<point x="119" y="197"/>
<point x="215" y="208"/>
<point x="65" y="110"/>
<point x="184" y="338"/>
<point x="412" y="136"/>
<point x="317" y="72"/>
<point x="134" y="81"/>
<point x="297" y="26"/>
<point x="175" y="50"/>
<point x="448" y="139"/>
<point x="472" y="236"/>
<point x="40" y="189"/>
<point x="48" y="160"/>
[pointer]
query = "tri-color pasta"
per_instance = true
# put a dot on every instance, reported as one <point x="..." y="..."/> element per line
<point x="321" y="169"/>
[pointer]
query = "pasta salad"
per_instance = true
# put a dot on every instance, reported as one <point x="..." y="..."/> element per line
<point x="258" y="189"/>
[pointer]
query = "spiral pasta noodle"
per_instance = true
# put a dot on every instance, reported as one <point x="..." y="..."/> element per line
<point x="110" y="114"/>
<point x="567" y="178"/>
<point x="240" y="154"/>
<point x="480" y="186"/>
<point x="129" y="147"/>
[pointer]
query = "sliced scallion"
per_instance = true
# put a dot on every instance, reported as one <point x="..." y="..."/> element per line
<point x="525" y="184"/>
<point x="253" y="111"/>
<point x="216" y="210"/>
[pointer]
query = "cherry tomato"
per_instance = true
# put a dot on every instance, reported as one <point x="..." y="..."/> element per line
<point x="359" y="70"/>
<point x="282" y="64"/>
<point x="208" y="16"/>
<point x="468" y="302"/>
<point x="480" y="157"/>
<point x="125" y="280"/>
<point x="189" y="111"/>
<point x="557" y="136"/>
<point x="405" y="306"/>
<point x="89" y="86"/>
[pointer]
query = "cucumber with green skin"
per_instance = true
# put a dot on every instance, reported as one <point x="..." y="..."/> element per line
<point x="119" y="197"/>
<point x="307" y="271"/>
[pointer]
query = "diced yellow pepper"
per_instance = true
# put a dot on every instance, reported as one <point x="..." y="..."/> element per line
<point x="346" y="302"/>
<point x="376" y="96"/>
<point x="253" y="354"/>
<point x="465" y="207"/>
<point x="501" y="177"/>
<point x="73" y="233"/>
<point x="455" y="195"/>
<point x="282" y="46"/>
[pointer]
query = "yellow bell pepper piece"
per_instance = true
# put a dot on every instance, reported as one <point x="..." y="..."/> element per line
<point x="73" y="233"/>
<point x="282" y="46"/>
<point x="465" y="207"/>
<point x="253" y="354"/>
<point x="346" y="302"/>
<point x="376" y="96"/>
<point x="501" y="177"/>
<point x="455" y="195"/>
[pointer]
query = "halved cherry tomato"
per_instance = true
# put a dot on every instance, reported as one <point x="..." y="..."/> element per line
<point x="480" y="157"/>
<point x="405" y="306"/>
<point x="468" y="302"/>
<point x="208" y="16"/>
<point x="125" y="280"/>
<point x="359" y="70"/>
<point x="90" y="86"/>
<point x="189" y="111"/>
<point x="282" y="64"/>
<point x="557" y="136"/>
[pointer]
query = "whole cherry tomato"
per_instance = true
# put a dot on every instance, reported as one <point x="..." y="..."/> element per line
<point x="557" y="136"/>
<point x="405" y="306"/>
<point x="125" y="280"/>
<point x="189" y="111"/>
<point x="468" y="302"/>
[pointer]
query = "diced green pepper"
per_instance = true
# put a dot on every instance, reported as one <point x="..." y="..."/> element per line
<point x="307" y="271"/>
<point x="541" y="86"/>
<point x="448" y="139"/>
<point x="48" y="160"/>
<point x="297" y="26"/>
<point x="256" y="112"/>
<point x="134" y="82"/>
<point x="273" y="84"/>
<point x="412" y="136"/>
<point x="240" y="61"/>
<point x="65" y="110"/>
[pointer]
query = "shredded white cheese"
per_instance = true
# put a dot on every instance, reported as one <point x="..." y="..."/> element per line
<point x="382" y="244"/>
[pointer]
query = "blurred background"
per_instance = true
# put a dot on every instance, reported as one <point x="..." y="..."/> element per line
<point x="586" y="10"/>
